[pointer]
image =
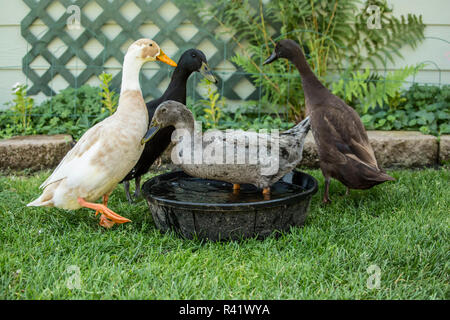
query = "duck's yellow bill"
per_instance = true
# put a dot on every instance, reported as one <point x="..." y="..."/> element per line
<point x="164" y="58"/>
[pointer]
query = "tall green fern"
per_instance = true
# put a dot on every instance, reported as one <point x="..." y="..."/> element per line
<point x="383" y="45"/>
<point x="370" y="94"/>
<point x="333" y="33"/>
<point x="109" y="97"/>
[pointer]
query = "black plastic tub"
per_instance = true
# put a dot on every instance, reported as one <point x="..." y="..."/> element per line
<point x="210" y="209"/>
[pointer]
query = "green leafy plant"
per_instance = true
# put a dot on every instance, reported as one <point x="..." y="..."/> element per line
<point x="243" y="117"/>
<point x="214" y="103"/>
<point x="71" y="111"/>
<point x="421" y="107"/>
<point x="21" y="107"/>
<point x="109" y="98"/>
<point x="363" y="91"/>
<point x="246" y="121"/>
<point x="381" y="45"/>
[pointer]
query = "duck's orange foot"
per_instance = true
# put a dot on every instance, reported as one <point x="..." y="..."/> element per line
<point x="326" y="200"/>
<point x="266" y="193"/>
<point x="111" y="215"/>
<point x="106" y="213"/>
<point x="105" y="222"/>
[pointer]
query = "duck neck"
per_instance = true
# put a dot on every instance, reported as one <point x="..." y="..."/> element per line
<point x="310" y="82"/>
<point x="177" y="87"/>
<point x="187" y="124"/>
<point x="130" y="75"/>
<point x="131" y="92"/>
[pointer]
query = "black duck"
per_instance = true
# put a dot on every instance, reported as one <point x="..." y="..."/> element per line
<point x="191" y="60"/>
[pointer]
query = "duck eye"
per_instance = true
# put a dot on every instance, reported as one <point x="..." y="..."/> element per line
<point x="163" y="110"/>
<point x="151" y="44"/>
<point x="194" y="55"/>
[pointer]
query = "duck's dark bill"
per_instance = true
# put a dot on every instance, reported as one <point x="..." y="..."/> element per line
<point x="271" y="59"/>
<point x="150" y="133"/>
<point x="206" y="72"/>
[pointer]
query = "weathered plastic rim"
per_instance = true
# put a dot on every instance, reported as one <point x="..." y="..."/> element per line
<point x="312" y="183"/>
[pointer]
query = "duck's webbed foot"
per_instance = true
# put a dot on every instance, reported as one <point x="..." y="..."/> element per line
<point x="347" y="192"/>
<point x="126" y="187"/>
<point x="236" y="188"/>
<point x="137" y="191"/>
<point x="105" y="222"/>
<point x="326" y="197"/>
<point x="266" y="193"/>
<point x="105" y="211"/>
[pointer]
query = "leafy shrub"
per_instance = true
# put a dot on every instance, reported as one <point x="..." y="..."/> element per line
<point x="421" y="107"/>
<point x="244" y="117"/>
<point x="19" y="113"/>
<point x="251" y="121"/>
<point x="8" y="127"/>
<point x="71" y="111"/>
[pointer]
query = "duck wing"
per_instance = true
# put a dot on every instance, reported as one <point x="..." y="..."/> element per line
<point x="86" y="142"/>
<point x="342" y="128"/>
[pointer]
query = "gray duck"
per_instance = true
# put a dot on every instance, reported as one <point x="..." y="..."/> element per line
<point x="264" y="171"/>
<point x="344" y="149"/>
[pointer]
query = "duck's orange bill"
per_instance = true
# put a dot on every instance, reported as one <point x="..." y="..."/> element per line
<point x="164" y="58"/>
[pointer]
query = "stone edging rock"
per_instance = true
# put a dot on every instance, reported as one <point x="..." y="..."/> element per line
<point x="393" y="149"/>
<point x="444" y="149"/>
<point x="33" y="152"/>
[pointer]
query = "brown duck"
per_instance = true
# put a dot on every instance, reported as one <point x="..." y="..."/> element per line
<point x="344" y="149"/>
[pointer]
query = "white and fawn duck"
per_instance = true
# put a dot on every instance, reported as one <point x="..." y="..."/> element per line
<point x="282" y="152"/>
<point x="192" y="60"/>
<point x="107" y="151"/>
<point x="344" y="149"/>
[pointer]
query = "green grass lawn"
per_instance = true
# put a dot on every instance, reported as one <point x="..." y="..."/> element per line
<point x="401" y="227"/>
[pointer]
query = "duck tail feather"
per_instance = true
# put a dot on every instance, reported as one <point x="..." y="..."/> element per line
<point x="386" y="177"/>
<point x="302" y="126"/>
<point x="39" y="203"/>
<point x="35" y="203"/>
<point x="375" y="175"/>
